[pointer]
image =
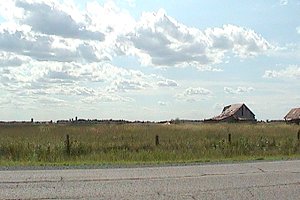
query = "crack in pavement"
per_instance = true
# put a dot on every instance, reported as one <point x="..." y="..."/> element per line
<point x="261" y="170"/>
<point x="61" y="179"/>
<point x="252" y="187"/>
<point x="182" y="195"/>
<point x="108" y="179"/>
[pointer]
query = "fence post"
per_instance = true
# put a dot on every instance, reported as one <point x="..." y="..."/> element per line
<point x="156" y="140"/>
<point x="68" y="148"/>
<point x="229" y="138"/>
<point x="48" y="149"/>
<point x="298" y="136"/>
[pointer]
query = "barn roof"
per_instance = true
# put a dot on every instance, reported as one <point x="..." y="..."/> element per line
<point x="293" y="114"/>
<point x="229" y="111"/>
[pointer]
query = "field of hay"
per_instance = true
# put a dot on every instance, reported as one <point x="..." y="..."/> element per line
<point x="135" y="143"/>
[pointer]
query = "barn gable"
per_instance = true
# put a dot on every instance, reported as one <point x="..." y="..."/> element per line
<point x="293" y="116"/>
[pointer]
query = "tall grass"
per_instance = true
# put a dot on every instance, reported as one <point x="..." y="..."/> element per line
<point x="136" y="143"/>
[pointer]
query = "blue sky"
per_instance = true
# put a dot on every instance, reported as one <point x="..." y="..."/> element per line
<point x="147" y="60"/>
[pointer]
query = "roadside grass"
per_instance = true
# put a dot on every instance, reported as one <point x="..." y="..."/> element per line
<point x="135" y="143"/>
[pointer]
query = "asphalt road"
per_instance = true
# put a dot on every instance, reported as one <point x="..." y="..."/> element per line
<point x="261" y="180"/>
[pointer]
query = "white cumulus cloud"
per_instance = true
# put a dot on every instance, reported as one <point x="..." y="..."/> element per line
<point x="238" y="90"/>
<point x="73" y="79"/>
<point x="194" y="94"/>
<point x="293" y="71"/>
<point x="167" y="83"/>
<point x="51" y="19"/>
<point x="160" y="40"/>
<point x="197" y="91"/>
<point x="51" y="30"/>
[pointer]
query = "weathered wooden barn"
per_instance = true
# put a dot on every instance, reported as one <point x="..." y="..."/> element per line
<point x="234" y="113"/>
<point x="293" y="116"/>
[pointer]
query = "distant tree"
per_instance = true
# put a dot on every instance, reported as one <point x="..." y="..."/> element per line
<point x="175" y="121"/>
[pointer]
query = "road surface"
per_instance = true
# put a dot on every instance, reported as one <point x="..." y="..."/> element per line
<point x="259" y="180"/>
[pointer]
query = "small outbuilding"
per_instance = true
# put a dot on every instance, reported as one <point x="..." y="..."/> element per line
<point x="293" y="116"/>
<point x="234" y="113"/>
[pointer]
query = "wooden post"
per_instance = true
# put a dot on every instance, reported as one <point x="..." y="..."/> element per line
<point x="298" y="136"/>
<point x="156" y="140"/>
<point x="68" y="148"/>
<point x="229" y="137"/>
<point x="48" y="150"/>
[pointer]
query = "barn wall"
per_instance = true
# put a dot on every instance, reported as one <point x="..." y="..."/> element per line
<point x="295" y="121"/>
<point x="246" y="113"/>
<point x="228" y="119"/>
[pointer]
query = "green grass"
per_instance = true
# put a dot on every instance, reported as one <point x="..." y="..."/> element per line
<point x="135" y="144"/>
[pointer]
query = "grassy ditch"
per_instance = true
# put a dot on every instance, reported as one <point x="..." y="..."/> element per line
<point x="139" y="144"/>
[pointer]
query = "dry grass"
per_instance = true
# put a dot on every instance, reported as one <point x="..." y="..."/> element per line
<point x="133" y="143"/>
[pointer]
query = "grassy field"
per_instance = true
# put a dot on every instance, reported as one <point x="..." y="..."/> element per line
<point x="135" y="144"/>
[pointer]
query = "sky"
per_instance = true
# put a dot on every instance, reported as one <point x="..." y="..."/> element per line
<point x="147" y="60"/>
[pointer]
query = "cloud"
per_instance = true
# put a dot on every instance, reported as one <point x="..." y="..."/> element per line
<point x="109" y="18"/>
<point x="54" y="49"/>
<point x="160" y="40"/>
<point x="21" y="101"/>
<point x="293" y="72"/>
<point x="283" y="2"/>
<point x="241" y="41"/>
<point x="106" y="97"/>
<point x="48" y="100"/>
<point x="167" y="83"/>
<point x="194" y="94"/>
<point x="238" y="90"/>
<point x="131" y="3"/>
<point x="5" y="103"/>
<point x="38" y="47"/>
<point x="136" y="80"/>
<point x="126" y="85"/>
<point x="298" y="29"/>
<point x="197" y="91"/>
<point x="11" y="60"/>
<point x="50" y="19"/>
<point x="40" y="92"/>
<point x="12" y="100"/>
<point x="162" y="103"/>
<point x="9" y="11"/>
<point x="50" y="30"/>
<point x="73" y="79"/>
